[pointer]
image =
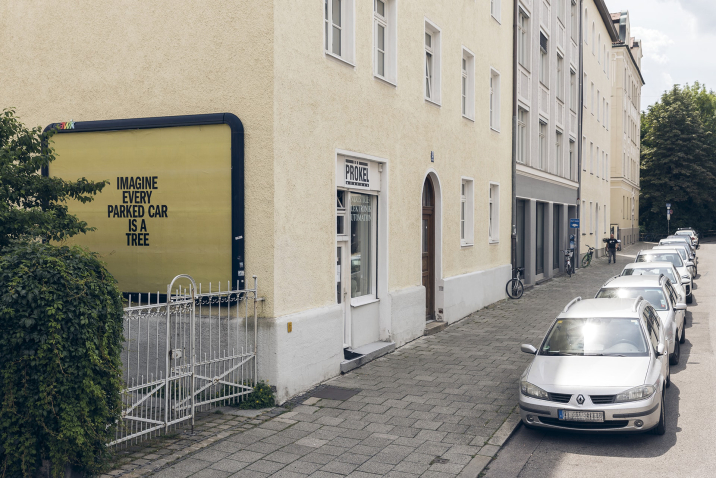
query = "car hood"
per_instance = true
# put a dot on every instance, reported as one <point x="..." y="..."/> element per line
<point x="588" y="371"/>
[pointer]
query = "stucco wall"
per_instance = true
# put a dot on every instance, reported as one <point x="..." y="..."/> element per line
<point x="108" y="60"/>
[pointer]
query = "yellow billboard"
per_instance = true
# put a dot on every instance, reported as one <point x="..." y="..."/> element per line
<point x="168" y="208"/>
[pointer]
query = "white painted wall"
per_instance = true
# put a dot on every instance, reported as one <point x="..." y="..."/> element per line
<point x="467" y="293"/>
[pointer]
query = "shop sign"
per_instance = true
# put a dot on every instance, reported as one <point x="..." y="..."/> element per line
<point x="353" y="173"/>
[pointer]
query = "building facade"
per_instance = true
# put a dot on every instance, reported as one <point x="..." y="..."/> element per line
<point x="547" y="133"/>
<point x="626" y="134"/>
<point x="377" y="146"/>
<point x="598" y="35"/>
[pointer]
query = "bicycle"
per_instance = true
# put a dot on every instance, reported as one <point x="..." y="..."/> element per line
<point x="515" y="288"/>
<point x="568" y="266"/>
<point x="587" y="259"/>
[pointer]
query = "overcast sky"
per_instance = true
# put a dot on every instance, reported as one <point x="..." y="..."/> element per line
<point x="679" y="42"/>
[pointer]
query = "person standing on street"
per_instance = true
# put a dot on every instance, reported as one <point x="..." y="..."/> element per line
<point x="612" y="249"/>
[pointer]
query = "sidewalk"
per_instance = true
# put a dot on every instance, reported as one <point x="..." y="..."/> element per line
<point x="440" y="406"/>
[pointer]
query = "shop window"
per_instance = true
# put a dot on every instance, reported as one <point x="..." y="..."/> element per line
<point x="362" y="243"/>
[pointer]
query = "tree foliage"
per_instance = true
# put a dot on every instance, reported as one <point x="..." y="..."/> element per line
<point x="60" y="368"/>
<point x="33" y="205"/>
<point x="677" y="160"/>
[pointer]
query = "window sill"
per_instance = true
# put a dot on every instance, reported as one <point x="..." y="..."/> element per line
<point x="339" y="58"/>
<point x="496" y="19"/>
<point x="385" y="80"/>
<point x="364" y="300"/>
<point x="494" y="129"/>
<point x="432" y="101"/>
<point x="468" y="118"/>
<point x="494" y="241"/>
<point x="466" y="244"/>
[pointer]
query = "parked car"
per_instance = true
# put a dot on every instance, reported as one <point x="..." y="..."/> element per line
<point x="684" y="253"/>
<point x="657" y="268"/>
<point x="673" y="256"/>
<point x="602" y="367"/>
<point x="662" y="296"/>
<point x="677" y="240"/>
<point x="691" y="233"/>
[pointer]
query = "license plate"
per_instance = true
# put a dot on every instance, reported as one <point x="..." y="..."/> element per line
<point x="577" y="416"/>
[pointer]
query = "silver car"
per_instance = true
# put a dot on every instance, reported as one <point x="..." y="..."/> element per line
<point x="662" y="296"/>
<point x="678" y="240"/>
<point x="602" y="367"/>
<point x="690" y="233"/>
<point x="655" y="269"/>
<point x="684" y="253"/>
<point x="673" y="256"/>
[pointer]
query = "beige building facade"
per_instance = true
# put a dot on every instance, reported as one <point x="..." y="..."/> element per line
<point x="377" y="147"/>
<point x="598" y="35"/>
<point x="626" y="134"/>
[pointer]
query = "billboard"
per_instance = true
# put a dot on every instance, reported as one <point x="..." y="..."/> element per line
<point x="174" y="203"/>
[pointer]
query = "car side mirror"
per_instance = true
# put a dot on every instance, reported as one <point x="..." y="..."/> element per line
<point x="660" y="350"/>
<point x="528" y="349"/>
<point x="680" y="306"/>
<point x="689" y="264"/>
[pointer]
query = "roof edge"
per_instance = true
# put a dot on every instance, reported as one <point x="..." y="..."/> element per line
<point x="607" y="19"/>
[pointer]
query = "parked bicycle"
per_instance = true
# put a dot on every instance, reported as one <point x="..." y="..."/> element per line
<point x="568" y="265"/>
<point x="515" y="288"/>
<point x="587" y="259"/>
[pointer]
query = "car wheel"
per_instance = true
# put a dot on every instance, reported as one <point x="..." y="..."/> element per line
<point x="660" y="429"/>
<point x="674" y="358"/>
<point x="668" y="376"/>
<point x="689" y="298"/>
<point x="683" y="332"/>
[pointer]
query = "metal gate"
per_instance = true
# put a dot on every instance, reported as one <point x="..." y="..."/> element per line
<point x="192" y="351"/>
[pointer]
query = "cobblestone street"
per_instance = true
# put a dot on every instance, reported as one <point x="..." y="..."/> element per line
<point x="440" y="406"/>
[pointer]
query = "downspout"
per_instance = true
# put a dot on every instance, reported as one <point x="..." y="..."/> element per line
<point x="580" y="146"/>
<point x="514" y="139"/>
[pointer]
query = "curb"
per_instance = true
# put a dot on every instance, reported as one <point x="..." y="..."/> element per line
<point x="478" y="464"/>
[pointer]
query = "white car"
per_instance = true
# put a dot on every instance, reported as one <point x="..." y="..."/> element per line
<point x="673" y="256"/>
<point x="601" y="368"/>
<point x="684" y="253"/>
<point x="691" y="234"/>
<point x="657" y="268"/>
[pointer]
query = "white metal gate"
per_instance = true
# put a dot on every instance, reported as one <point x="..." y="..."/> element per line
<point x="206" y="340"/>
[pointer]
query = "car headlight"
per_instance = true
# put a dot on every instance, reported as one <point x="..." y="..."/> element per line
<point x="685" y="276"/>
<point x="637" y="393"/>
<point x="533" y="390"/>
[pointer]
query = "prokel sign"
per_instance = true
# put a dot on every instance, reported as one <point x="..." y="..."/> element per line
<point x="355" y="173"/>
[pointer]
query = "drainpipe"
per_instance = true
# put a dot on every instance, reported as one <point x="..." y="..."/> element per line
<point x="514" y="138"/>
<point x="580" y="146"/>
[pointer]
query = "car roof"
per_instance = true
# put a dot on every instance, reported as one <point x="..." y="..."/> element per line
<point x="680" y="245"/>
<point x="634" y="281"/>
<point x="648" y="265"/>
<point x="601" y="308"/>
<point x="660" y="251"/>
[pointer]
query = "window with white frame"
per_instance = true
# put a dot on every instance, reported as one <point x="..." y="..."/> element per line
<point x="363" y="243"/>
<point x="432" y="62"/>
<point x="598" y="161"/>
<point x="606" y="167"/>
<point x="385" y="27"/>
<point x="522" y="120"/>
<point x="585" y="25"/>
<point x="607" y="118"/>
<point x="591" y="100"/>
<point x="604" y="112"/>
<point x="594" y="42"/>
<point x="468" y="84"/>
<point x="523" y="39"/>
<point x="572" y="161"/>
<point x="583" y="222"/>
<point x="560" y="11"/>
<point x="604" y="66"/>
<point x="575" y="22"/>
<point x="591" y="157"/>
<point x="495" y="9"/>
<point x="467" y="212"/>
<point x="584" y="153"/>
<point x="598" y="115"/>
<point x="542" y="144"/>
<point x="494" y="100"/>
<point x="494" y="213"/>
<point x="560" y="77"/>
<point x="558" y="158"/>
<point x="572" y="90"/>
<point x="339" y="29"/>
<point x="599" y="48"/>
<point x="543" y="60"/>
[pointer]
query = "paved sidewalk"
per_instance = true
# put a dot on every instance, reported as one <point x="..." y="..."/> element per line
<point x="437" y="407"/>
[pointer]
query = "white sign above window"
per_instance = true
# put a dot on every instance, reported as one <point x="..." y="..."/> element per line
<point x="353" y="173"/>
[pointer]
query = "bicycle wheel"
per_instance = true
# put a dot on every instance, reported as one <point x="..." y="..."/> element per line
<point x="586" y="260"/>
<point x="514" y="288"/>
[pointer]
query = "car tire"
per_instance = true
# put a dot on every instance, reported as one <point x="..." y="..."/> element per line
<point x="668" y="377"/>
<point x="674" y="358"/>
<point x="683" y="332"/>
<point x="689" y="298"/>
<point x="660" y="428"/>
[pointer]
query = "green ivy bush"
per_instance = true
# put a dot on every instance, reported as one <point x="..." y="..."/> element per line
<point x="60" y="368"/>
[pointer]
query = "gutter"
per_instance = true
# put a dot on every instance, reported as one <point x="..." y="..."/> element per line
<point x="513" y="239"/>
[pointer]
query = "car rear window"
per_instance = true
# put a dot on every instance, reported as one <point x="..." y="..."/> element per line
<point x="655" y="295"/>
<point x="672" y="257"/>
<point x="651" y="271"/>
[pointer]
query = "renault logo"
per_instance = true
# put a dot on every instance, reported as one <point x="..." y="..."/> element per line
<point x="580" y="399"/>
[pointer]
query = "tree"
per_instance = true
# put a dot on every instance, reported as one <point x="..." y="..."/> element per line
<point x="678" y="164"/>
<point x="33" y="205"/>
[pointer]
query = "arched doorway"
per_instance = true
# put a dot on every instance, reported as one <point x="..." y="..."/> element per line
<point x="428" y="247"/>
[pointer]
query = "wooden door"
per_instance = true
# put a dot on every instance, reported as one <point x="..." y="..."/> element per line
<point x="428" y="250"/>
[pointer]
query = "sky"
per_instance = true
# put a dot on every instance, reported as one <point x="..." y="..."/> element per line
<point x="678" y="41"/>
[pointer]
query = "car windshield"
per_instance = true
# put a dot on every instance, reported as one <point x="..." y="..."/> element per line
<point x="649" y="271"/>
<point x="672" y="257"/>
<point x="595" y="336"/>
<point x="682" y="252"/>
<point x="655" y="295"/>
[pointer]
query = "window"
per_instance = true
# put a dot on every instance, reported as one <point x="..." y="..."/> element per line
<point x="558" y="159"/>
<point x="544" y="60"/>
<point x="432" y="63"/>
<point x="598" y="116"/>
<point x="604" y="112"/>
<point x="385" y="26"/>
<point x="494" y="213"/>
<point x="593" y="40"/>
<point x="341" y="212"/>
<point x="468" y="84"/>
<point x="560" y="11"/>
<point x="542" y="144"/>
<point x="467" y="212"/>
<point x="592" y="98"/>
<point x="560" y="77"/>
<point x="339" y="33"/>
<point x="523" y="39"/>
<point x="606" y="116"/>
<point x="494" y="100"/>
<point x="591" y="217"/>
<point x="583" y="222"/>
<point x="604" y="65"/>
<point x="599" y="50"/>
<point x="495" y="9"/>
<point x="591" y="158"/>
<point x="363" y="207"/>
<point x="584" y="153"/>
<point x="586" y="24"/>
<point x="522" y="116"/>
<point x="575" y="23"/>
<point x="572" y="90"/>
<point x="598" y="161"/>
<point x="571" y="165"/>
<point x="607" y="172"/>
